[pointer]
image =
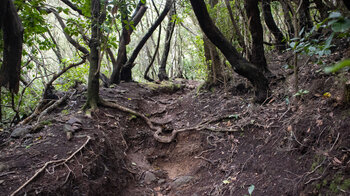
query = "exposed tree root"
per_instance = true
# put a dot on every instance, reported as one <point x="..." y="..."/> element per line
<point x="61" y="161"/>
<point x="204" y="125"/>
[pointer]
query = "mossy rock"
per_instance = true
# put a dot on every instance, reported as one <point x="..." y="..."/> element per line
<point x="165" y="86"/>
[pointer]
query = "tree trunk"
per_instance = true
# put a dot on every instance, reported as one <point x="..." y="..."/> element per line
<point x="304" y="16"/>
<point x="270" y="23"/>
<point x="118" y="72"/>
<point x="12" y="29"/>
<point x="257" y="54"/>
<point x="130" y="63"/>
<point x="94" y="72"/>
<point x="237" y="33"/>
<point x="347" y="4"/>
<point x="287" y="19"/>
<point x="215" y="72"/>
<point x="145" y="76"/>
<point x="239" y="64"/>
<point x="162" y="75"/>
<point x="323" y="9"/>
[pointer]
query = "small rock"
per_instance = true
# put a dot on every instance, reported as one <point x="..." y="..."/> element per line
<point x="161" y="181"/>
<point x="3" y="167"/>
<point x="20" y="131"/>
<point x="68" y="128"/>
<point x="180" y="181"/>
<point x="149" y="177"/>
<point x="76" y="126"/>
<point x="69" y="135"/>
<point x="73" y="120"/>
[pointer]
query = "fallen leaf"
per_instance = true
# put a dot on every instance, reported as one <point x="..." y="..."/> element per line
<point x="319" y="122"/>
<point x="226" y="182"/>
<point x="327" y="95"/>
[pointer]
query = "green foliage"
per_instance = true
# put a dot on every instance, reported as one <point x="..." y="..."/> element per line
<point x="78" y="74"/>
<point x="311" y="46"/>
<point x="195" y="67"/>
<point x="250" y="189"/>
<point x="339" y="183"/>
<point x="338" y="66"/>
<point x="338" y="22"/>
<point x="301" y="93"/>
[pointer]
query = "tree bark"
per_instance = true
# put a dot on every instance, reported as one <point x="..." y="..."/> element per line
<point x="304" y="16"/>
<point x="118" y="71"/>
<point x="145" y="76"/>
<point x="162" y="75"/>
<point x="12" y="29"/>
<point x="237" y="33"/>
<point x="270" y="23"/>
<point x="93" y="81"/>
<point x="130" y="63"/>
<point x="323" y="9"/>
<point x="347" y="4"/>
<point x="257" y="54"/>
<point x="214" y="66"/>
<point x="239" y="64"/>
<point x="287" y="19"/>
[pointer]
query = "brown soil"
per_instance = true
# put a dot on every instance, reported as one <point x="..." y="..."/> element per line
<point x="279" y="147"/>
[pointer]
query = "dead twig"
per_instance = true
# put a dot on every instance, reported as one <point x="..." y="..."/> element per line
<point x="51" y="162"/>
<point x="52" y="107"/>
<point x="336" y="140"/>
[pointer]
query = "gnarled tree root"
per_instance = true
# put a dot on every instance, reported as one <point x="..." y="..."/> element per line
<point x="204" y="125"/>
<point x="61" y="161"/>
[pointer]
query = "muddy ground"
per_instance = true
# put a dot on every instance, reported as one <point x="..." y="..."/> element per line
<point x="281" y="147"/>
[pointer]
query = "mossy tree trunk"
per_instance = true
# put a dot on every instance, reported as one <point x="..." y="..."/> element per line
<point x="213" y="60"/>
<point x="305" y="20"/>
<point x="287" y="18"/>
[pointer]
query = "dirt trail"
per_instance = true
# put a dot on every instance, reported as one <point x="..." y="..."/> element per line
<point x="277" y="148"/>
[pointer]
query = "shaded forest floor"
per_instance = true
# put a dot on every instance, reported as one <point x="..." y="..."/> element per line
<point x="279" y="147"/>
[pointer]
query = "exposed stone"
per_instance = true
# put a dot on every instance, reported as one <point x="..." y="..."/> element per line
<point x="73" y="120"/>
<point x="180" y="181"/>
<point x="68" y="128"/>
<point x="149" y="177"/>
<point x="20" y="131"/>
<point x="161" y="181"/>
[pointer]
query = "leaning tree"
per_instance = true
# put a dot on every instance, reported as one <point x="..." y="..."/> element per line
<point x="239" y="64"/>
